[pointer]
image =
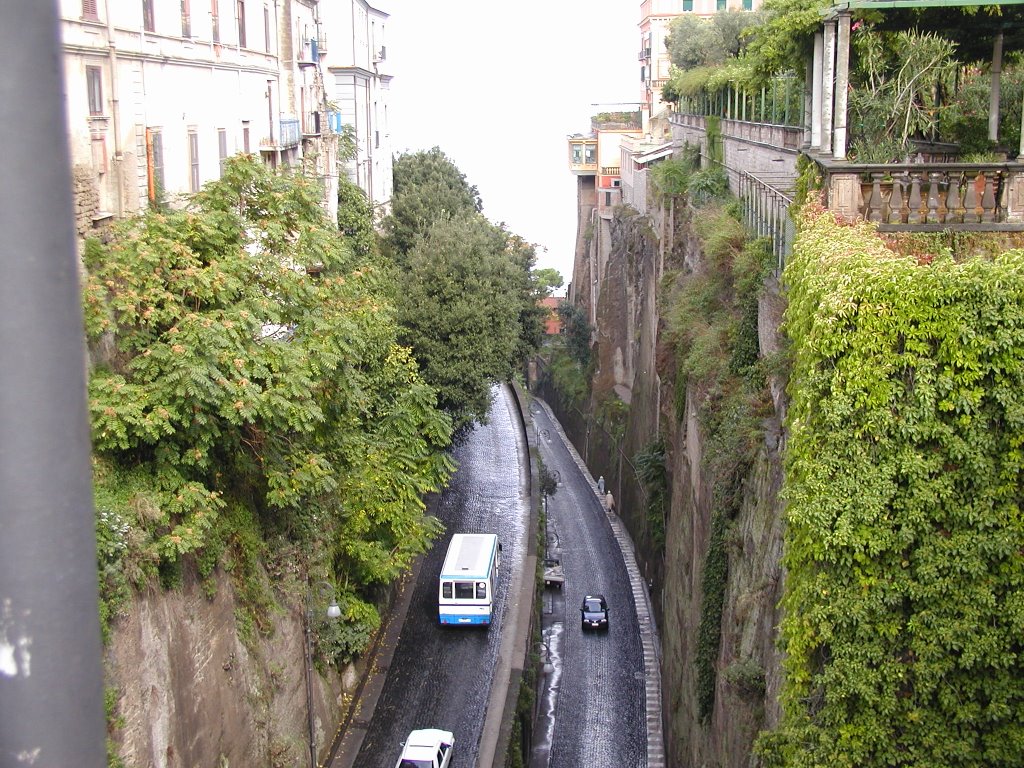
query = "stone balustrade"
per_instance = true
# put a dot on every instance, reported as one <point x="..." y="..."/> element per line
<point x="929" y="196"/>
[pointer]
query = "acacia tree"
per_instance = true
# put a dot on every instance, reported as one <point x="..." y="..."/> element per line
<point x="252" y="361"/>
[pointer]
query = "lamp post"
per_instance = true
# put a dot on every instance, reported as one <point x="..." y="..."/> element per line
<point x="333" y="612"/>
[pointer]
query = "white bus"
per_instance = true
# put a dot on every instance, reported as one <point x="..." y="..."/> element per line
<point x="468" y="579"/>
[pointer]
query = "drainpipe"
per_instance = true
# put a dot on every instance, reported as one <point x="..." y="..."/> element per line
<point x="115" y="111"/>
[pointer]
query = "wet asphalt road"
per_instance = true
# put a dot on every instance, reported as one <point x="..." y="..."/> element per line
<point x="441" y="677"/>
<point x="596" y="684"/>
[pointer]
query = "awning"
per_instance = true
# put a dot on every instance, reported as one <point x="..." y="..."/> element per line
<point x="653" y="154"/>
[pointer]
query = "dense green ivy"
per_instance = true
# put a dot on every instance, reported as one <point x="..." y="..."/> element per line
<point x="904" y="602"/>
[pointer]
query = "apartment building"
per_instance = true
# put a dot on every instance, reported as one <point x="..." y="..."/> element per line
<point x="160" y="93"/>
<point x="358" y="87"/>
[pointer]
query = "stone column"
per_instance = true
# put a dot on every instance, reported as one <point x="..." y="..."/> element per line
<point x="815" y="80"/>
<point x="828" y="87"/>
<point x="842" y="86"/>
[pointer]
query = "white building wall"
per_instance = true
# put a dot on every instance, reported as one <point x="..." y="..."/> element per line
<point x="166" y="81"/>
<point x="359" y="86"/>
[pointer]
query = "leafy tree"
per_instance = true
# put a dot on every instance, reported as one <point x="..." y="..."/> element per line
<point x="577" y="332"/>
<point x="697" y="42"/>
<point x="548" y="280"/>
<point x="428" y="189"/>
<point x="530" y="291"/>
<point x="462" y="299"/>
<point x="784" y="40"/>
<point x="251" y="360"/>
<point x="355" y="219"/>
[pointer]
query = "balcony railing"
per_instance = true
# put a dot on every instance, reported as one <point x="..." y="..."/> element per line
<point x="610" y="170"/>
<point x="291" y="132"/>
<point x="925" y="197"/>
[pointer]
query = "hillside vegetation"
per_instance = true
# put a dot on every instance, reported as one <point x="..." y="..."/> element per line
<point x="903" y="605"/>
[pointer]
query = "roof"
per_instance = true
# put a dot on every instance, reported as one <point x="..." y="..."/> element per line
<point x="469" y="556"/>
<point x="423" y="744"/>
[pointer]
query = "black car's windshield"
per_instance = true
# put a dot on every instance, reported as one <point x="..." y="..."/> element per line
<point x="592" y="606"/>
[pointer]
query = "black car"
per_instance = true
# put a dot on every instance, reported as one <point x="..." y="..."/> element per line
<point x="594" y="612"/>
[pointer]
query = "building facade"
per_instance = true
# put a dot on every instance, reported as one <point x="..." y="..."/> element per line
<point x="159" y="94"/>
<point x="358" y="87"/>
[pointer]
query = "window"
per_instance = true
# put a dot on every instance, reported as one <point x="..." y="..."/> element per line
<point x="687" y="5"/>
<point x="577" y="154"/>
<point x="155" y="165"/>
<point x="266" y="29"/>
<point x="147" y="16"/>
<point x="94" y="84"/>
<point x="186" y="19"/>
<point x="245" y="136"/>
<point x="748" y="5"/>
<point x="376" y="139"/>
<point x="446" y="590"/>
<point x="720" y="5"/>
<point x="222" y="147"/>
<point x="89" y="11"/>
<point x="481" y="590"/>
<point x="240" y="6"/>
<point x="607" y="199"/>
<point x="215" y="20"/>
<point x="193" y="159"/>
<point x="591" y="155"/>
<point x="643" y="72"/>
<point x="463" y="590"/>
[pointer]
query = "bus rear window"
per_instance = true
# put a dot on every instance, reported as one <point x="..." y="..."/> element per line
<point x="463" y="590"/>
<point x="446" y="590"/>
<point x="481" y="590"/>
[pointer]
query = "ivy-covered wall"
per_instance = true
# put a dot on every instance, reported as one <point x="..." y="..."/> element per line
<point x="904" y="607"/>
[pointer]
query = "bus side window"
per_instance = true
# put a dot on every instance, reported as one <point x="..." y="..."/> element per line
<point x="481" y="590"/>
<point x="446" y="590"/>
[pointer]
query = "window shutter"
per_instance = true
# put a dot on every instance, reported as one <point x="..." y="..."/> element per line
<point x="89" y="10"/>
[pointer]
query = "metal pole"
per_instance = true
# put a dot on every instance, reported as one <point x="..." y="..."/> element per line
<point x="308" y="657"/>
<point x="51" y="678"/>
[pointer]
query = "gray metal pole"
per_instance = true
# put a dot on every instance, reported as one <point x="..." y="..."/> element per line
<point x="308" y="663"/>
<point x="51" y="683"/>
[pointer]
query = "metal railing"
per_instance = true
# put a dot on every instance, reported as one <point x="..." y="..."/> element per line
<point x="291" y="132"/>
<point x="765" y="203"/>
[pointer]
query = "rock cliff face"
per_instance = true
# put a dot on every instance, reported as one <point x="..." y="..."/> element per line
<point x="636" y="365"/>
<point x="191" y="693"/>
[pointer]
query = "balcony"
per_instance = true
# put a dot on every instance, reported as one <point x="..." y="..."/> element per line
<point x="290" y="134"/>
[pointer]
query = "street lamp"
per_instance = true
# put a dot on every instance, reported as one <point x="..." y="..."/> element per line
<point x="333" y="612"/>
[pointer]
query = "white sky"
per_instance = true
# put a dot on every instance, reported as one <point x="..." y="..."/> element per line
<point x="498" y="86"/>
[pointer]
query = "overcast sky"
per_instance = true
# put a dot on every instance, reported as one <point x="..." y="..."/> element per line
<point x="499" y="86"/>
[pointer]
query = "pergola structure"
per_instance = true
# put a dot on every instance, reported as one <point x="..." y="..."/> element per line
<point x="826" y="108"/>
<point x="830" y="75"/>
